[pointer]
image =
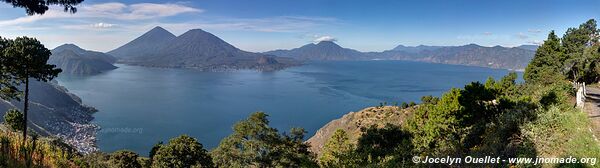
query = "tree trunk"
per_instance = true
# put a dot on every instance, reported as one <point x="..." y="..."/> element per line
<point x="25" y="109"/>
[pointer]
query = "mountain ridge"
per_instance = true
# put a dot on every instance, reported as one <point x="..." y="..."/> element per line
<point x="202" y="50"/>
<point x="322" y="51"/>
<point x="144" y="45"/>
<point x="515" y="58"/>
<point x="74" y="60"/>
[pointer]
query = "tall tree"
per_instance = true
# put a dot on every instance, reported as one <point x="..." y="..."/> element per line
<point x="254" y="143"/>
<point x="125" y="159"/>
<point x="577" y="42"/>
<point x="183" y="151"/>
<point x="33" y="7"/>
<point x="24" y="59"/>
<point x="337" y="151"/>
<point x="8" y="87"/>
<point x="547" y="62"/>
<point x="389" y="146"/>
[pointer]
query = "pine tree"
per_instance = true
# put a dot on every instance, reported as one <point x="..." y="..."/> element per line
<point x="24" y="59"/>
<point x="546" y="65"/>
<point x="41" y="6"/>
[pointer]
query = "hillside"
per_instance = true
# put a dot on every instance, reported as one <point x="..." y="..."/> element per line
<point x="76" y="61"/>
<point x="55" y="111"/>
<point x="199" y="49"/>
<point x="322" y="51"/>
<point x="354" y="121"/>
<point x="471" y="55"/>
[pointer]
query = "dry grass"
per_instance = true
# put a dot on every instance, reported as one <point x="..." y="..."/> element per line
<point x="37" y="152"/>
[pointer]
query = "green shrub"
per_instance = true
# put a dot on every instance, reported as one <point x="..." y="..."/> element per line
<point x="183" y="151"/>
<point x="124" y="159"/>
<point x="14" y="119"/>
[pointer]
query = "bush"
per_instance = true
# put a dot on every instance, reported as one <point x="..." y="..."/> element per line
<point x="14" y="119"/>
<point x="337" y="151"/>
<point x="183" y="151"/>
<point x="125" y="159"/>
<point x="404" y="105"/>
<point x="254" y="143"/>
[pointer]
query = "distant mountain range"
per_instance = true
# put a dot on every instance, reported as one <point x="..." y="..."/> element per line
<point x="473" y="55"/>
<point x="529" y="47"/>
<point x="194" y="49"/>
<point x="76" y="61"/>
<point x="415" y="49"/>
<point x="515" y="58"/>
<point x="199" y="49"/>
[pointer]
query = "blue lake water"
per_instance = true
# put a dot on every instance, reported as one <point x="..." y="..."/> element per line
<point x="139" y="106"/>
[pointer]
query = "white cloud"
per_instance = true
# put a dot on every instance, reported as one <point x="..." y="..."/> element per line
<point x="278" y="24"/>
<point x="487" y="33"/>
<point x="145" y="10"/>
<point x="102" y="25"/>
<point x="137" y="11"/>
<point x="84" y="27"/>
<point x="51" y="14"/>
<point x="324" y="38"/>
<point x="113" y="10"/>
<point x="112" y="7"/>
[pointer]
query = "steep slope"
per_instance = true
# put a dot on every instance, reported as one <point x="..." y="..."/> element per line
<point x="202" y="50"/>
<point x="55" y="111"/>
<point x="147" y="44"/>
<point x="354" y="121"/>
<point x="322" y="51"/>
<point x="76" y="61"/>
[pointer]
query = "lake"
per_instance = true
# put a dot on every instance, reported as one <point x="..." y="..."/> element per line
<point x="140" y="106"/>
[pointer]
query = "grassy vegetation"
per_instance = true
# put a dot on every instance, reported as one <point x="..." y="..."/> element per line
<point x="36" y="152"/>
<point x="560" y="133"/>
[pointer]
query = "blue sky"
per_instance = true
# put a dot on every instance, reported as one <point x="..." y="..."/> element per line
<point x="262" y="25"/>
